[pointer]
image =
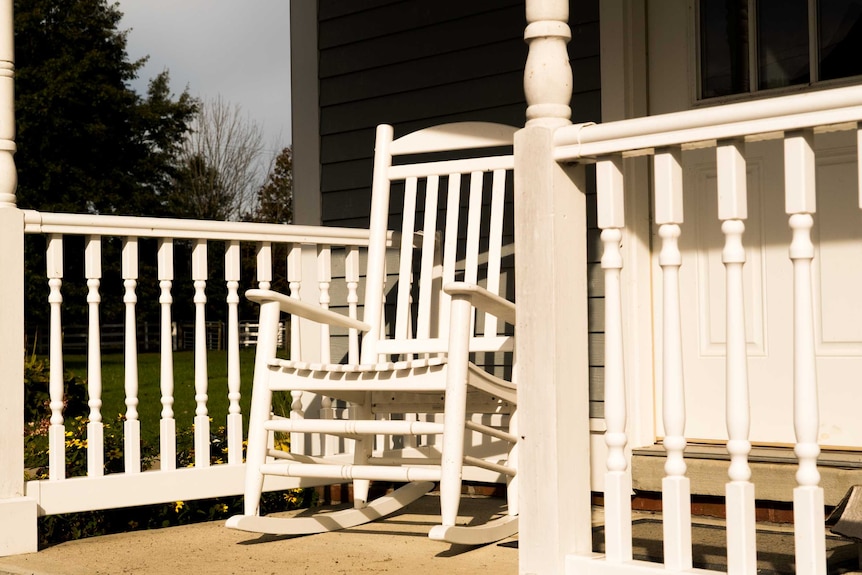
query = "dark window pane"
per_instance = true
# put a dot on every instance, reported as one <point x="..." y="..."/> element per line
<point x="840" y="42"/>
<point x="782" y="49"/>
<point x="723" y="47"/>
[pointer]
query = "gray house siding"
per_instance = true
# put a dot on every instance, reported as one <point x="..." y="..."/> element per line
<point x="416" y="63"/>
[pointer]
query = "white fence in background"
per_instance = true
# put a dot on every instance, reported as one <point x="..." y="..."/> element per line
<point x="312" y="260"/>
<point x="726" y="129"/>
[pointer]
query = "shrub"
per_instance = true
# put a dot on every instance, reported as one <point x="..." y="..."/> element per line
<point x="36" y="392"/>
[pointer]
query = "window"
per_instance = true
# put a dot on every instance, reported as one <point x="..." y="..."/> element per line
<point x="751" y="45"/>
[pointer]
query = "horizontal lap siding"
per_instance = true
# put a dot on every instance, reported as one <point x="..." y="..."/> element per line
<point x="411" y="64"/>
<point x="417" y="63"/>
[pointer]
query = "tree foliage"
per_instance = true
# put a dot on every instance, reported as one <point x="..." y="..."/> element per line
<point x="221" y="164"/>
<point x="86" y="141"/>
<point x="275" y="197"/>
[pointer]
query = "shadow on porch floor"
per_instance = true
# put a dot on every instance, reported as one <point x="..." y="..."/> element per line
<point x="709" y="549"/>
<point x="395" y="545"/>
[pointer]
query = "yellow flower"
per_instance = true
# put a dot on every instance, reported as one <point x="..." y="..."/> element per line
<point x="178" y="505"/>
<point x="292" y="497"/>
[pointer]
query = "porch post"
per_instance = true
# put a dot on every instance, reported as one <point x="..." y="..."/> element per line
<point x="17" y="513"/>
<point x="550" y="231"/>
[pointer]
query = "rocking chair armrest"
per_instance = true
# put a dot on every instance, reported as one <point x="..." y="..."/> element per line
<point x="483" y="300"/>
<point x="305" y="310"/>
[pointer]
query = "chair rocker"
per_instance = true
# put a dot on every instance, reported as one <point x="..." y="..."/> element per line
<point x="411" y="381"/>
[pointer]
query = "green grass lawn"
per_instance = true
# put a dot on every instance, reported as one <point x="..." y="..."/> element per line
<point x="149" y="393"/>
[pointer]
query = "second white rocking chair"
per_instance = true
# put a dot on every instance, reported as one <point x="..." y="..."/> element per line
<point x="418" y="365"/>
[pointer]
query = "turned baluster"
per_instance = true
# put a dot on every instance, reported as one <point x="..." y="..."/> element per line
<point x="676" y="490"/>
<point x="294" y="283"/>
<point x="264" y="265"/>
<point x="324" y="281"/>
<point x="294" y="278"/>
<point x="351" y="266"/>
<point x="57" y="429"/>
<point x="800" y="202"/>
<point x="202" y="422"/>
<point x="618" y="482"/>
<point x="95" y="428"/>
<point x="167" y="423"/>
<point x="733" y="211"/>
<point x="234" y="418"/>
<point x="132" y="425"/>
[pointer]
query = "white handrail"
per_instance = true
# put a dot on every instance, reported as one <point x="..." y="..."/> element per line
<point x="824" y="108"/>
<point x="61" y="223"/>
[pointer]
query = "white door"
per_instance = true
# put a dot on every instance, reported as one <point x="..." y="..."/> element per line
<point x="768" y="273"/>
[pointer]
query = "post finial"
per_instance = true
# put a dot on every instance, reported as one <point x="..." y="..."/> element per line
<point x="8" y="173"/>
<point x="547" y="74"/>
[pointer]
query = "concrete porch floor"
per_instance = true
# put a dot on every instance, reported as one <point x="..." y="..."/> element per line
<point x="397" y="544"/>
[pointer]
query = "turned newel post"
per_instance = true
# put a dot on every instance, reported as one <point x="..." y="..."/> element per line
<point x="8" y="175"/>
<point x="547" y="74"/>
<point x="550" y="280"/>
<point x="18" y="532"/>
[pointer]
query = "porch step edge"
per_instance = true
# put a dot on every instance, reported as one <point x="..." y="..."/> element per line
<point x="774" y="481"/>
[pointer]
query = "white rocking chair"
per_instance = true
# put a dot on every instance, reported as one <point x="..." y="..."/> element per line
<point x="419" y="365"/>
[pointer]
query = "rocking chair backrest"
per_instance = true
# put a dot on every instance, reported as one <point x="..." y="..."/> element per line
<point x="441" y="197"/>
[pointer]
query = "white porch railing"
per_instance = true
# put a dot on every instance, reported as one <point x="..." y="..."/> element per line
<point x="795" y="120"/>
<point x="314" y="256"/>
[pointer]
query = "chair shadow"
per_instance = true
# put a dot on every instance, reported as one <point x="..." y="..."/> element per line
<point x="479" y="510"/>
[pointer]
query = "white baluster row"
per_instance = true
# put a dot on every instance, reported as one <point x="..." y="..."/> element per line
<point x="165" y="273"/>
<point x="732" y="210"/>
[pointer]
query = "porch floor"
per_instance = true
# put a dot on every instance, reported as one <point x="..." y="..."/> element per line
<point x="395" y="545"/>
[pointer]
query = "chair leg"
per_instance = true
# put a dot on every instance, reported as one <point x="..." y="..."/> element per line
<point x="450" y="491"/>
<point x="454" y="411"/>
<point x="261" y="408"/>
<point x="255" y="455"/>
<point x="361" y="453"/>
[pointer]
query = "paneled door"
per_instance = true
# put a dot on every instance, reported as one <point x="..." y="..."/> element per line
<point x="768" y="272"/>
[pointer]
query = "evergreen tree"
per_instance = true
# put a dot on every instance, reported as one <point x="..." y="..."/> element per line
<point x="86" y="141"/>
<point x="275" y="196"/>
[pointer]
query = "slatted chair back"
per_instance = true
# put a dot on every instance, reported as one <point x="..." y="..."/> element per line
<point x="453" y="218"/>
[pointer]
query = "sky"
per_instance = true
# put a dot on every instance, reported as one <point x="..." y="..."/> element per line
<point x="239" y="49"/>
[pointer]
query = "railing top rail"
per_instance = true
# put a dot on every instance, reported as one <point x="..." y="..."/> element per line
<point x="836" y="107"/>
<point x="92" y="224"/>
